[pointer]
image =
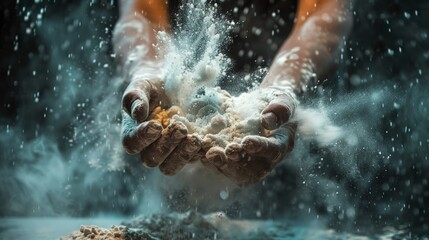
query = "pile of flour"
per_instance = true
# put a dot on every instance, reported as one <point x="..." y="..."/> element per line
<point x="225" y="118"/>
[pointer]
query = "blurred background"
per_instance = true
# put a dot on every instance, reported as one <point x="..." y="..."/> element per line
<point x="60" y="153"/>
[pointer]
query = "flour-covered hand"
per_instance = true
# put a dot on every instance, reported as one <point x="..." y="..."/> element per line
<point x="168" y="147"/>
<point x="252" y="159"/>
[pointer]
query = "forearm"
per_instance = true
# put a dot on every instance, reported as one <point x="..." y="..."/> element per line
<point x="310" y="52"/>
<point x="135" y="38"/>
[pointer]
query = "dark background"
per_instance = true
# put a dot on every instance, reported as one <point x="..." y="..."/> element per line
<point x="60" y="101"/>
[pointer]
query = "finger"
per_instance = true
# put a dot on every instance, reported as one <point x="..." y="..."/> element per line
<point x="269" y="149"/>
<point x="216" y="156"/>
<point x="136" y="138"/>
<point x="246" y="170"/>
<point x="234" y="152"/>
<point x="275" y="115"/>
<point x="208" y="164"/>
<point x="219" y="157"/>
<point x="135" y="100"/>
<point x="212" y="140"/>
<point x="269" y="121"/>
<point x="158" y="151"/>
<point x="283" y="107"/>
<point x="200" y="155"/>
<point x="181" y="155"/>
<point x="206" y="144"/>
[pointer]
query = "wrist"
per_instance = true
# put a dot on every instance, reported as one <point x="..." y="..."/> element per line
<point x="138" y="46"/>
<point x="285" y="80"/>
<point x="126" y="31"/>
<point x="145" y="70"/>
<point x="297" y="75"/>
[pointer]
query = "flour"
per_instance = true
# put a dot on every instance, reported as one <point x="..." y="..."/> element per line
<point x="195" y="65"/>
<point x="225" y="118"/>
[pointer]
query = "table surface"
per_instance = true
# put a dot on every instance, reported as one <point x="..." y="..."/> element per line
<point x="46" y="228"/>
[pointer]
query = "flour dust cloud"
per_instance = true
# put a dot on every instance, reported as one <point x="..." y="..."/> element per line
<point x="361" y="151"/>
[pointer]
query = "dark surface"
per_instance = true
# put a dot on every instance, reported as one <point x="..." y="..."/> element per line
<point x="174" y="226"/>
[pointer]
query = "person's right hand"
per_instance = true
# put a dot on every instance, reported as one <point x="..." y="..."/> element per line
<point x="169" y="148"/>
<point x="253" y="158"/>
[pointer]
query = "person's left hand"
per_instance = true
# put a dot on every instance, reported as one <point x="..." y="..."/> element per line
<point x="251" y="160"/>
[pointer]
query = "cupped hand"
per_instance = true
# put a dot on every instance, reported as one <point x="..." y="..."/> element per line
<point x="251" y="160"/>
<point x="168" y="147"/>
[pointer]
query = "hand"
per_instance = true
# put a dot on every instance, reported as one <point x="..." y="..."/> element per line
<point x="252" y="159"/>
<point x="168" y="147"/>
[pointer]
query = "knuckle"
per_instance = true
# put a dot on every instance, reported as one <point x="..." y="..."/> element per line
<point x="127" y="144"/>
<point x="169" y="171"/>
<point x="150" y="162"/>
<point x="128" y="98"/>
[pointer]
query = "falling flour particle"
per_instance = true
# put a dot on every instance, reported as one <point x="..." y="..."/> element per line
<point x="194" y="65"/>
<point x="191" y="76"/>
<point x="315" y="125"/>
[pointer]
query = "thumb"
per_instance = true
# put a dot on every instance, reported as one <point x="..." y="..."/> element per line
<point x="275" y="115"/>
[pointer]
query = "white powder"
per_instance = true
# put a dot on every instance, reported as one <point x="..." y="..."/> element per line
<point x="225" y="118"/>
<point x="314" y="125"/>
<point x="194" y="66"/>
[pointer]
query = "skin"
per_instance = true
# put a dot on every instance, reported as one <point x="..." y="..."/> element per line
<point x="303" y="60"/>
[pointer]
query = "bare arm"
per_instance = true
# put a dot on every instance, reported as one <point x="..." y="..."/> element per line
<point x="305" y="57"/>
<point x="135" y="35"/>
<point x="153" y="10"/>
<point x="136" y="45"/>
<point x="309" y="53"/>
